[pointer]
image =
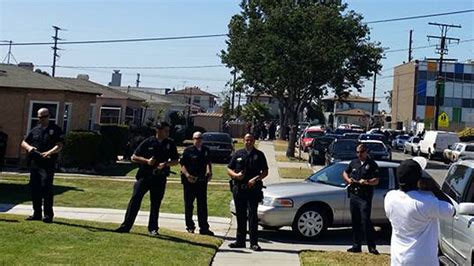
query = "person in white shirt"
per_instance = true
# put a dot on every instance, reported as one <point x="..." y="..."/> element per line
<point x="414" y="211"/>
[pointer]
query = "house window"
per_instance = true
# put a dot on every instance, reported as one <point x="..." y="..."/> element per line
<point x="211" y="102"/>
<point x="130" y="114"/>
<point x="67" y="116"/>
<point x="53" y="108"/>
<point x="110" y="115"/>
<point x="196" y="99"/>
<point x="92" y="115"/>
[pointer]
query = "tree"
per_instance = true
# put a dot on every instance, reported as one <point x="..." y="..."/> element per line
<point x="39" y="71"/>
<point x="298" y="50"/>
<point x="255" y="112"/>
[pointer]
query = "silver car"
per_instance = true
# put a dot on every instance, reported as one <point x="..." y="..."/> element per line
<point x="319" y="202"/>
<point x="411" y="145"/>
<point x="456" y="238"/>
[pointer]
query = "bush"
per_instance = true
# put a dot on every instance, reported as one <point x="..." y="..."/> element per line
<point x="114" y="141"/>
<point x="81" y="150"/>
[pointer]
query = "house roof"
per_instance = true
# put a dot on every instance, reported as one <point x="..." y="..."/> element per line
<point x="351" y="98"/>
<point x="107" y="92"/>
<point x="12" y="76"/>
<point x="209" y="114"/>
<point x="152" y="97"/>
<point x="353" y="112"/>
<point x="192" y="91"/>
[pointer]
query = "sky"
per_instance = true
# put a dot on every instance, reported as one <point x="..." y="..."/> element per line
<point x="32" y="20"/>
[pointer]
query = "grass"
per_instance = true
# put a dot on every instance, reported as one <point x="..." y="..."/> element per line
<point x="310" y="258"/>
<point x="280" y="145"/>
<point x="111" y="194"/>
<point x="90" y="243"/>
<point x="283" y="158"/>
<point x="296" y="173"/>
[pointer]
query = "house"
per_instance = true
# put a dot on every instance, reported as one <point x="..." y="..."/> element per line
<point x="352" y="109"/>
<point x="195" y="96"/>
<point x="266" y="99"/>
<point x="23" y="92"/>
<point x="211" y="122"/>
<point x="112" y="106"/>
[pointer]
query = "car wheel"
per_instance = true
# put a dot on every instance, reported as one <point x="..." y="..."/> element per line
<point x="412" y="152"/>
<point x="273" y="228"/>
<point x="405" y="150"/>
<point x="310" y="222"/>
<point x="310" y="159"/>
<point x="429" y="155"/>
<point x="418" y="153"/>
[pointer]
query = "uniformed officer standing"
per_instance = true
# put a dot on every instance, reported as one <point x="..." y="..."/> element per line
<point x="247" y="168"/>
<point x="362" y="175"/>
<point x="43" y="144"/>
<point x="196" y="172"/>
<point x="155" y="155"/>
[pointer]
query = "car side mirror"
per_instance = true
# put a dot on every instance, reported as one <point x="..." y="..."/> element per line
<point x="449" y="146"/>
<point x="466" y="208"/>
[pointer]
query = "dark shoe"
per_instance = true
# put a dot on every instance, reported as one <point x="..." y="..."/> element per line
<point x="121" y="230"/>
<point x="33" y="218"/>
<point x="354" y="250"/>
<point x="374" y="251"/>
<point x="237" y="245"/>
<point x="207" y="232"/>
<point x="48" y="220"/>
<point x="256" y="248"/>
<point x="190" y="230"/>
<point x="153" y="233"/>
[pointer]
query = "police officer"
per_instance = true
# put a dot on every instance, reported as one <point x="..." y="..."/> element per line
<point x="361" y="175"/>
<point x="196" y="172"/>
<point x="43" y="144"/>
<point x="247" y="168"/>
<point x="155" y="155"/>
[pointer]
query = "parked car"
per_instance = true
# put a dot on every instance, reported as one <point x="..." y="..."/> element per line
<point x="319" y="202"/>
<point x="341" y="150"/>
<point x="448" y="152"/>
<point x="399" y="142"/>
<point x="378" y="150"/>
<point x="308" y="135"/>
<point x="351" y="135"/>
<point x="380" y="137"/>
<point x="221" y="145"/>
<point x="435" y="142"/>
<point x="412" y="145"/>
<point x="317" y="151"/>
<point x="456" y="236"/>
<point x="462" y="149"/>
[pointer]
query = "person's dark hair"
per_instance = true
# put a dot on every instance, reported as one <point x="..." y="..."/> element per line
<point x="161" y="125"/>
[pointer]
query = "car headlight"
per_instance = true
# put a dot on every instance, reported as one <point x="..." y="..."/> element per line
<point x="277" y="202"/>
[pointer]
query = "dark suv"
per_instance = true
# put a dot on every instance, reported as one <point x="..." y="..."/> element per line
<point x="341" y="150"/>
<point x="317" y="150"/>
<point x="221" y="145"/>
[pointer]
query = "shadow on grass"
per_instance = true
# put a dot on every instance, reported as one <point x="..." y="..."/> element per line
<point x="162" y="237"/>
<point x="15" y="194"/>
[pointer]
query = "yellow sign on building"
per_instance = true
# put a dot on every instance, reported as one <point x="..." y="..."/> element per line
<point x="443" y="120"/>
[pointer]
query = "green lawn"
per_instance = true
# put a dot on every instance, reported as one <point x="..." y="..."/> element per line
<point x="91" y="243"/>
<point x="310" y="258"/>
<point x="283" y="158"/>
<point x="111" y="194"/>
<point x="292" y="172"/>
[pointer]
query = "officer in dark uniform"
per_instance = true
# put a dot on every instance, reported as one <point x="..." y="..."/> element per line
<point x="247" y="168"/>
<point x="196" y="172"/>
<point x="43" y="144"/>
<point x="155" y="155"/>
<point x="361" y="175"/>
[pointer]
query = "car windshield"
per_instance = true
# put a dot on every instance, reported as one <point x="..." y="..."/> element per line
<point x="416" y="140"/>
<point x="325" y="141"/>
<point x="470" y="148"/>
<point x="216" y="137"/>
<point x="377" y="147"/>
<point x="345" y="146"/>
<point x="404" y="137"/>
<point x="313" y="134"/>
<point x="331" y="175"/>
<point x="372" y="137"/>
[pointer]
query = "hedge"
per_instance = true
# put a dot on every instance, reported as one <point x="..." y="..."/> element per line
<point x="81" y="150"/>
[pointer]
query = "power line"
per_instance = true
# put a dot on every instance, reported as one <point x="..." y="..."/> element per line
<point x="139" y="67"/>
<point x="421" y="16"/>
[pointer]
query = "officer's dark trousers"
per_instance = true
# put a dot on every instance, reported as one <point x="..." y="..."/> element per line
<point x="196" y="191"/>
<point x="361" y="207"/>
<point x="41" y="184"/>
<point x="156" y="186"/>
<point x="246" y="200"/>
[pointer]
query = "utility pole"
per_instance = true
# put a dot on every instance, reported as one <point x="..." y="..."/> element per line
<point x="233" y="92"/>
<point x="410" y="42"/>
<point x="138" y="80"/>
<point x="10" y="54"/>
<point x="55" y="48"/>
<point x="373" y="94"/>
<point x="441" y="49"/>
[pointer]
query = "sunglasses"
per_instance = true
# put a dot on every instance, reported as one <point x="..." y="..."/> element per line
<point x="43" y="116"/>
<point x="358" y="152"/>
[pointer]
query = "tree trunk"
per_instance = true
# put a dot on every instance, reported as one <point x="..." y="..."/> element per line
<point x="282" y="133"/>
<point x="292" y="117"/>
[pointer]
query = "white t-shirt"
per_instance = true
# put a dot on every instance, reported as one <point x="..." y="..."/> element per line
<point x="414" y="217"/>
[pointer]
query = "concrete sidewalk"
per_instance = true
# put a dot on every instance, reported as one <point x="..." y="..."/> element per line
<point x="219" y="225"/>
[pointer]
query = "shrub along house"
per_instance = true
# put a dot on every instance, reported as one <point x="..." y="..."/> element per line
<point x="23" y="92"/>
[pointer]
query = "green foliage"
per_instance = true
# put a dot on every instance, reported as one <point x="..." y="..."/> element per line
<point x="255" y="111"/>
<point x="114" y="141"/>
<point x="177" y="118"/>
<point x="81" y="149"/>
<point x="226" y="110"/>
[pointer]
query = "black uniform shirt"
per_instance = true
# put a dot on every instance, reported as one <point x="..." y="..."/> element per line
<point x="196" y="161"/>
<point x="368" y="170"/>
<point x="45" y="138"/>
<point x="162" y="152"/>
<point x="252" y="163"/>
